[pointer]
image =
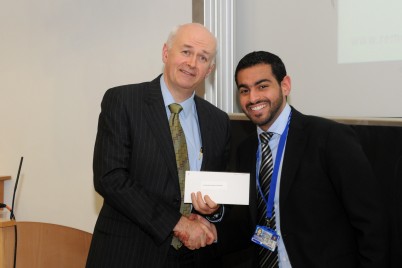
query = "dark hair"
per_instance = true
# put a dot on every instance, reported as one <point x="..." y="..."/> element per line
<point x="263" y="57"/>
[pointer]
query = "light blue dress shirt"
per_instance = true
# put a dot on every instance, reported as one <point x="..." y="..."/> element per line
<point x="189" y="122"/>
<point x="278" y="127"/>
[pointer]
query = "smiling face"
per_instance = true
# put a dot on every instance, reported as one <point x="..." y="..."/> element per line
<point x="262" y="98"/>
<point x="188" y="59"/>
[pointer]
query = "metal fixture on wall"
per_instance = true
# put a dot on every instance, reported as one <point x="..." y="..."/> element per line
<point x="218" y="17"/>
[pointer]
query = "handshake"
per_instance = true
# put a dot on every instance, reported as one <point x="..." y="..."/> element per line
<point x="194" y="231"/>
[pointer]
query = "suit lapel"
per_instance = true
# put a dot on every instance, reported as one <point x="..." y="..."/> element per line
<point x="253" y="184"/>
<point x="295" y="146"/>
<point x="203" y="120"/>
<point x="155" y="114"/>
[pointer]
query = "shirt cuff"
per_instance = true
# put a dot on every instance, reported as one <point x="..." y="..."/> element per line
<point x="218" y="216"/>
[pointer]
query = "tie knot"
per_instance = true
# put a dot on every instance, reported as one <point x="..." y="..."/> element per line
<point x="266" y="136"/>
<point x="175" y="108"/>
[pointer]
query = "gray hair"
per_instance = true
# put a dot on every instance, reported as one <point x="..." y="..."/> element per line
<point x="172" y="35"/>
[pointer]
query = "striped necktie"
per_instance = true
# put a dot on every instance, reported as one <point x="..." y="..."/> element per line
<point x="267" y="258"/>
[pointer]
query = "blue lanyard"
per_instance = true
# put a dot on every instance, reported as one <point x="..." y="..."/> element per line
<point x="269" y="201"/>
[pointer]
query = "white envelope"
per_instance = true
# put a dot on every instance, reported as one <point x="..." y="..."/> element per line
<point x="222" y="187"/>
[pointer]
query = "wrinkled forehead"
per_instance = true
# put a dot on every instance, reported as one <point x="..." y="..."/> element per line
<point x="196" y="36"/>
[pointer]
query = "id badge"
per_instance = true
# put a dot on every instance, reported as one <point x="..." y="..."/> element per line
<point x="265" y="237"/>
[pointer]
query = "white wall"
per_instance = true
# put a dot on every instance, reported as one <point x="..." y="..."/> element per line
<point x="306" y="34"/>
<point x="57" y="58"/>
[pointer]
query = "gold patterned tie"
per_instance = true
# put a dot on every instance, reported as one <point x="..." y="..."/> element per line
<point x="180" y="149"/>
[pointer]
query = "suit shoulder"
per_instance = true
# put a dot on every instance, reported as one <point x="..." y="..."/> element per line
<point x="123" y="93"/>
<point x="320" y="122"/>
<point x="324" y="127"/>
<point x="317" y="120"/>
<point x="127" y="89"/>
<point x="130" y="88"/>
<point x="211" y="108"/>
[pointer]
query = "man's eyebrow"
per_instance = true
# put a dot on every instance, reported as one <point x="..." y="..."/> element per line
<point x="203" y="51"/>
<point x="261" y="81"/>
<point x="256" y="83"/>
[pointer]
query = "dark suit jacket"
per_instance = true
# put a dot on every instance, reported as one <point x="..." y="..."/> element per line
<point x="331" y="213"/>
<point x="135" y="172"/>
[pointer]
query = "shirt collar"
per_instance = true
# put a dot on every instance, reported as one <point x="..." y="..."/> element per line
<point x="188" y="105"/>
<point x="280" y="123"/>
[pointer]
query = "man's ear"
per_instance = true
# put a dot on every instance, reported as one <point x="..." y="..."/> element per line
<point x="286" y="85"/>
<point x="164" y="53"/>
<point x="211" y="68"/>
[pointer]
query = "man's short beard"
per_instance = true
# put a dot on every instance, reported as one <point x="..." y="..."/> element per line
<point x="275" y="106"/>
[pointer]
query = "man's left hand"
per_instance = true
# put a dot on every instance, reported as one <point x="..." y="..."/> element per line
<point x="205" y="206"/>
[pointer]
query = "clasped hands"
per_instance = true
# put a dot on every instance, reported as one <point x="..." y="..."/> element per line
<point x="194" y="231"/>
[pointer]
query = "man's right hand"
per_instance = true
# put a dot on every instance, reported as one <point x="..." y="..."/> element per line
<point x="194" y="233"/>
